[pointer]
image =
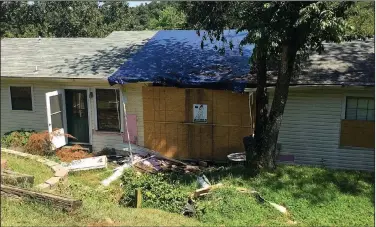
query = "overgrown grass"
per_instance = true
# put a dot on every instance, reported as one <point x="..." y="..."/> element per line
<point x="26" y="166"/>
<point x="99" y="204"/>
<point x="313" y="197"/>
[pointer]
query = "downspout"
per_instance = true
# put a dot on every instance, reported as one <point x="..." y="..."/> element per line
<point x="124" y="98"/>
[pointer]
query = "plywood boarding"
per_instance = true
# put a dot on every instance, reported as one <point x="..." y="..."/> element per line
<point x="169" y="127"/>
<point x="356" y="133"/>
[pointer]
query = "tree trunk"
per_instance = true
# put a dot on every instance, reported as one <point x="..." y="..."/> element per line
<point x="274" y="121"/>
<point x="253" y="153"/>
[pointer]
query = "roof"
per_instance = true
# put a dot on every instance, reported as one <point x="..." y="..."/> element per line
<point x="69" y="57"/>
<point x="346" y="63"/>
<point x="175" y="57"/>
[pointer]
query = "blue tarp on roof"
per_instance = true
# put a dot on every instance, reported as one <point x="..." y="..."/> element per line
<point x="175" y="58"/>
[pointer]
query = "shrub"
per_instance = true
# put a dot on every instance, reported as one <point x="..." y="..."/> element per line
<point x="17" y="138"/>
<point x="75" y="152"/>
<point x="39" y="144"/>
<point x="157" y="191"/>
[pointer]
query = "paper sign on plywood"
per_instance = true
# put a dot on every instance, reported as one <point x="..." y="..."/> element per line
<point x="200" y="113"/>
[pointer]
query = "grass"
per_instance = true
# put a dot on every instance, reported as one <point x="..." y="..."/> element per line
<point x="313" y="197"/>
<point x="99" y="204"/>
<point x="22" y="165"/>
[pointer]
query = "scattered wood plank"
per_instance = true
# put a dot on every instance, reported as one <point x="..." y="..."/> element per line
<point x="16" y="179"/>
<point x="203" y="191"/>
<point x="66" y="203"/>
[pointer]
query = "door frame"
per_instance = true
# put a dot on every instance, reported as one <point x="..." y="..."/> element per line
<point x="88" y="112"/>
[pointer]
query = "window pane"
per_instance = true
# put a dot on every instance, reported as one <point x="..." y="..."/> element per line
<point x="21" y="98"/>
<point x="108" y="109"/>
<point x="351" y="103"/>
<point x="362" y="103"/>
<point x="361" y="114"/>
<point x="371" y="115"/>
<point x="371" y="104"/>
<point x="56" y="103"/>
<point x="351" y="114"/>
<point x="57" y="120"/>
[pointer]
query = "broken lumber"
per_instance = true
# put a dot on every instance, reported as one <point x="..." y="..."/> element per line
<point x="16" y="179"/>
<point x="66" y="203"/>
<point x="3" y="164"/>
<point x="204" y="191"/>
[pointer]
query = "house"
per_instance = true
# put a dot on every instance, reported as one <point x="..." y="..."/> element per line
<point x="184" y="101"/>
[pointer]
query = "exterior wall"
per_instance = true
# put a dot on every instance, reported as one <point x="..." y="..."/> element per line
<point x="36" y="119"/>
<point x="170" y="128"/>
<point x="311" y="129"/>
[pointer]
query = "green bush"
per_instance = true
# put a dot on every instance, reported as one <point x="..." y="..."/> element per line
<point x="158" y="191"/>
<point x="16" y="138"/>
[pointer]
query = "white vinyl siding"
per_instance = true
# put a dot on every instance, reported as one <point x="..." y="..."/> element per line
<point x="311" y="130"/>
<point x="36" y="119"/>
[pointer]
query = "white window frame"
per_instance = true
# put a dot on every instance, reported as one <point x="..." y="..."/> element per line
<point x="120" y="106"/>
<point x="344" y="102"/>
<point x="32" y="98"/>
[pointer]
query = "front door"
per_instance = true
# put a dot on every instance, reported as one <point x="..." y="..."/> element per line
<point x="77" y="115"/>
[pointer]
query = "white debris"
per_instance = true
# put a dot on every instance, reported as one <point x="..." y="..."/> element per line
<point x="88" y="163"/>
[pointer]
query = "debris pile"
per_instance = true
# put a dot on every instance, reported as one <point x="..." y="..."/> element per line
<point x="146" y="160"/>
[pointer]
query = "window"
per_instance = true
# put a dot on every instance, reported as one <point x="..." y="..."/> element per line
<point x="358" y="127"/>
<point x="360" y="109"/>
<point x="108" y="109"/>
<point x="21" y="98"/>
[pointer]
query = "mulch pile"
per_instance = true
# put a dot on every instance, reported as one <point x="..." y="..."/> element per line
<point x="75" y="152"/>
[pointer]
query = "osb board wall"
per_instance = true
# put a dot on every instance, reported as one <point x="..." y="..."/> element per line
<point x="169" y="127"/>
<point x="357" y="133"/>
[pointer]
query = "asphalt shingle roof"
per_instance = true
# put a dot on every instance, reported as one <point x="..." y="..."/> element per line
<point x="174" y="52"/>
<point x="69" y="57"/>
<point x="346" y="63"/>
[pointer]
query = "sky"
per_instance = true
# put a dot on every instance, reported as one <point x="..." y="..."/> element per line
<point x="137" y="3"/>
<point x="131" y="3"/>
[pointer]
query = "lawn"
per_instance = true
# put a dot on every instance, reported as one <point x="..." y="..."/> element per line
<point x="99" y="204"/>
<point x="313" y="197"/>
<point x="22" y="165"/>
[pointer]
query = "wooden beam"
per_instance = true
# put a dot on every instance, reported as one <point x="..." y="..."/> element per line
<point x="65" y="203"/>
<point x="138" y="195"/>
<point x="16" y="179"/>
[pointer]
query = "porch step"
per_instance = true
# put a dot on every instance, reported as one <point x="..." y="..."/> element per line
<point x="85" y="147"/>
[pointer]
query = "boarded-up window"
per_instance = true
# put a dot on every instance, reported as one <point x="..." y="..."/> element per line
<point x="108" y="109"/>
<point x="358" y="127"/>
<point x="21" y="98"/>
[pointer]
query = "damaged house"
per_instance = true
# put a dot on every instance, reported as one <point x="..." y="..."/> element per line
<point x="184" y="101"/>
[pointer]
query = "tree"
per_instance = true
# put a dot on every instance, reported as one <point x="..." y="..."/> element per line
<point x="283" y="34"/>
<point x="362" y="19"/>
<point x="169" y="18"/>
